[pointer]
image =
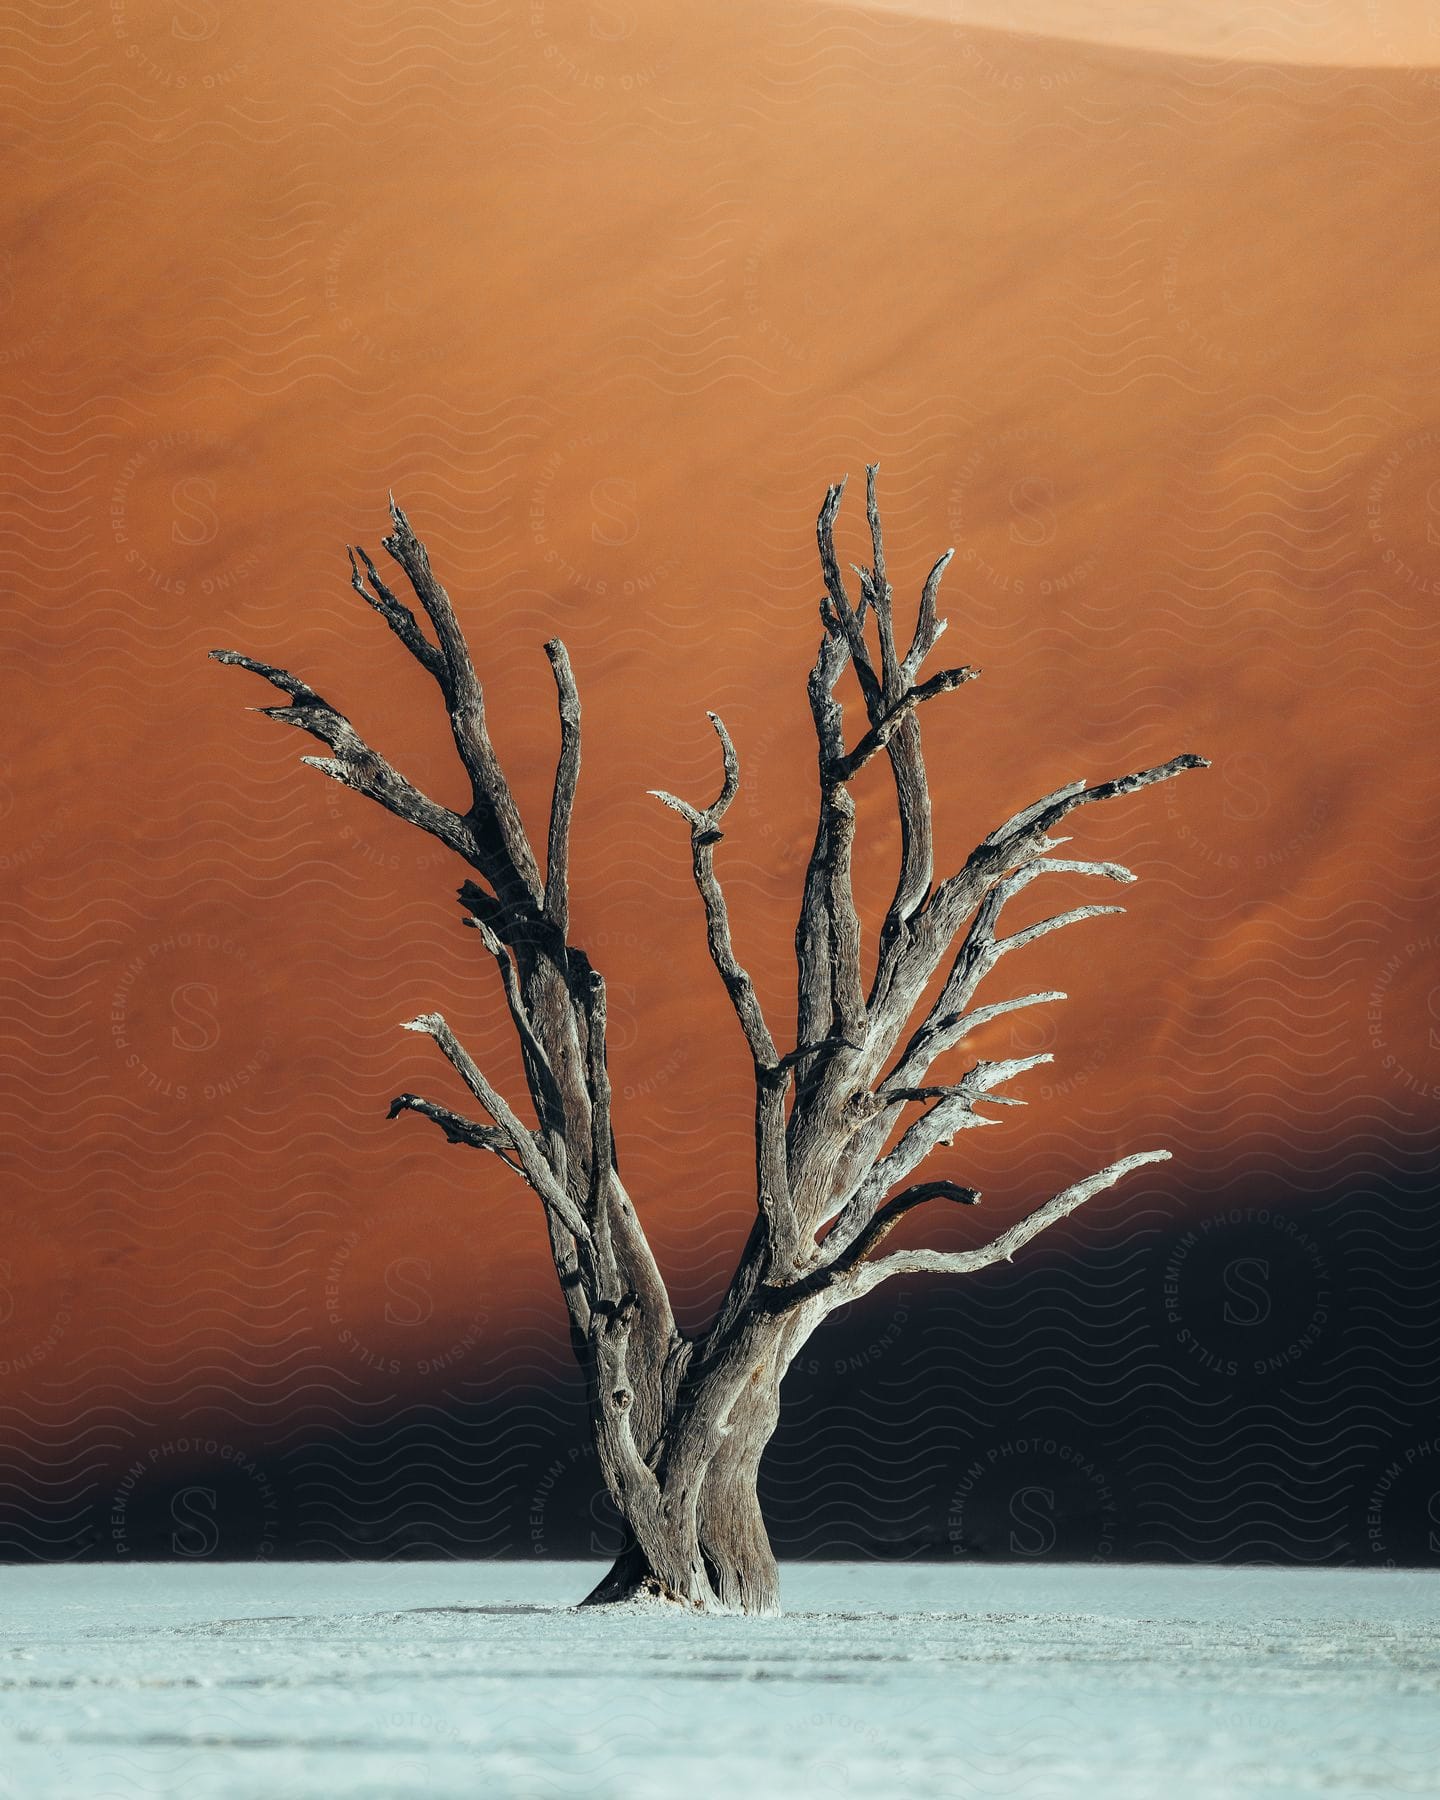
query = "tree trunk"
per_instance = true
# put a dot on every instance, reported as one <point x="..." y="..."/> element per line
<point x="707" y="1543"/>
<point x="733" y="1538"/>
<point x="736" y="1566"/>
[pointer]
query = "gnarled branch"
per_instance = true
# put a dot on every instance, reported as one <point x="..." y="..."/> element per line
<point x="602" y="1143"/>
<point x="397" y="615"/>
<point x="705" y="833"/>
<point x="846" y="1105"/>
<point x="562" y="804"/>
<point x="520" y="1139"/>
<point x="867" y="1275"/>
<point x="847" y="619"/>
<point x="830" y="1274"/>
<point x="772" y="1074"/>
<point x="980" y="950"/>
<point x="457" y="1128"/>
<point x="833" y="1007"/>
<point x="523" y="923"/>
<point x="878" y="737"/>
<point x="953" y="1110"/>
<point x="512" y="862"/>
<point x="354" y="764"/>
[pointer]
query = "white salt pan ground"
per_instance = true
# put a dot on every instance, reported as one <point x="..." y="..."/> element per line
<point x="473" y="1680"/>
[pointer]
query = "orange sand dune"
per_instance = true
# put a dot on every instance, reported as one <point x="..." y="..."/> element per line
<point x="608" y="300"/>
<point x="1347" y="33"/>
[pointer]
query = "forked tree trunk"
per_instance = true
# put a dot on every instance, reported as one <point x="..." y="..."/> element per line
<point x="681" y="1424"/>
<point x="741" y="1574"/>
<point x="733" y="1538"/>
<point x="715" y="1552"/>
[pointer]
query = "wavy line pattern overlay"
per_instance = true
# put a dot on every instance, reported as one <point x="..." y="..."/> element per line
<point x="1143" y="329"/>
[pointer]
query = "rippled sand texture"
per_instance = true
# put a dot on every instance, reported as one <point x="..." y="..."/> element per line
<point x="607" y="299"/>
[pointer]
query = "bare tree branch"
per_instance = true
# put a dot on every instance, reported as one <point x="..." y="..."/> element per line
<point x="521" y="1141"/>
<point x="772" y="1073"/>
<point x="397" y="615"/>
<point x="539" y="1075"/>
<point x="602" y="1145"/>
<point x="849" y="621"/>
<point x="946" y="1024"/>
<point x="953" y="1110"/>
<point x="355" y="765"/>
<point x="562" y="805"/>
<point x="1063" y="803"/>
<point x="832" y="1002"/>
<point x="978" y="953"/>
<point x="830" y="1274"/>
<point x="844" y="1111"/>
<point x="982" y="1015"/>
<point x="1022" y="840"/>
<point x="878" y="737"/>
<point x="494" y="811"/>
<point x="847" y="991"/>
<point x="879" y="593"/>
<point x="816" y="1009"/>
<point x="928" y="627"/>
<point x="894" y="725"/>
<point x="1001" y="1249"/>
<point x="457" y="1128"/>
<point x="705" y="833"/>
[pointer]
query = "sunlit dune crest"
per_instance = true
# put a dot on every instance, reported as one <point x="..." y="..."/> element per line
<point x="1335" y="33"/>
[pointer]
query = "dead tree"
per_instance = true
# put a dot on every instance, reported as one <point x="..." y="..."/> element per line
<point x="842" y="1121"/>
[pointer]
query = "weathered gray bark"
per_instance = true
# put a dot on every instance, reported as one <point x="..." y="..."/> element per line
<point x="842" y="1120"/>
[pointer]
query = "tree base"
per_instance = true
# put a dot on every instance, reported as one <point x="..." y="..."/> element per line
<point x="752" y="1591"/>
